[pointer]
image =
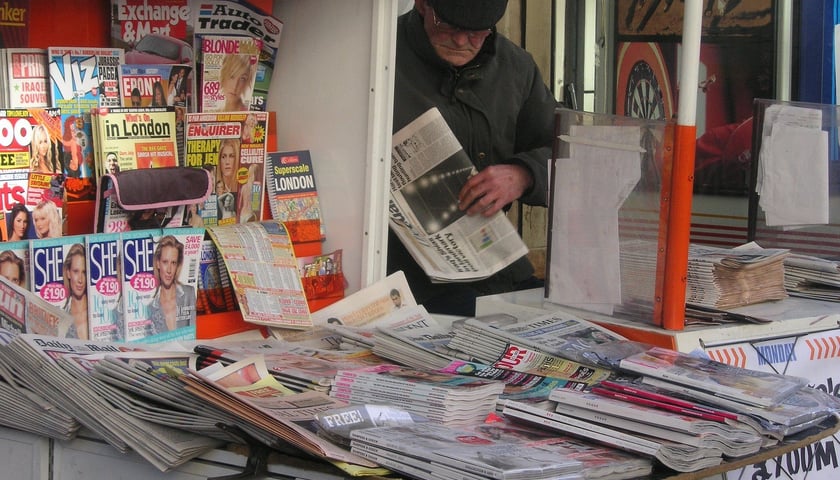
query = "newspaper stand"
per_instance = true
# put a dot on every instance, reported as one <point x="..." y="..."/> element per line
<point x="610" y="194"/>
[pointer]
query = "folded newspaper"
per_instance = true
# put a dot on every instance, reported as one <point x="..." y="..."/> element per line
<point x="428" y="169"/>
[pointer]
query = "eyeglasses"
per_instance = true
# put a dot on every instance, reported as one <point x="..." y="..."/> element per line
<point x="447" y="29"/>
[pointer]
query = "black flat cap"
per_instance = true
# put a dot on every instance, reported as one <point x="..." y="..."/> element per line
<point x="469" y="14"/>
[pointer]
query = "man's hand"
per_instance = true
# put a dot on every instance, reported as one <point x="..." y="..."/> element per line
<point x="492" y="188"/>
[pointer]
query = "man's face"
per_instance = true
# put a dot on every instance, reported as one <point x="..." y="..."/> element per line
<point x="455" y="46"/>
<point x="112" y="163"/>
<point x="168" y="266"/>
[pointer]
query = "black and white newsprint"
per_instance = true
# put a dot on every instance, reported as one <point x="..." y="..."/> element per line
<point x="428" y="169"/>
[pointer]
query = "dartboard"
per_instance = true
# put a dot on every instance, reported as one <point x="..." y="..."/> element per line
<point x="643" y="95"/>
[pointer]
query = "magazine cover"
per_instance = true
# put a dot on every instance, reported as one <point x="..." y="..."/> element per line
<point x="215" y="293"/>
<point x="14" y="262"/>
<point x="12" y="295"/>
<point x="228" y="71"/>
<point x="30" y="175"/>
<point x="82" y="78"/>
<point x="239" y="18"/>
<point x="58" y="272"/>
<point x="104" y="288"/>
<point x="292" y="194"/>
<point x="25" y="77"/>
<point x="232" y="146"/>
<point x="155" y="85"/>
<point x="159" y="280"/>
<point x="135" y="137"/>
<point x="152" y="31"/>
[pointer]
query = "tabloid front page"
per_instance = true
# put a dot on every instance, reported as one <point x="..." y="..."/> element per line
<point x="428" y="169"/>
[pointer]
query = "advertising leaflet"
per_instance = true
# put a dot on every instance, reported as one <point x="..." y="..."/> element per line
<point x="368" y="305"/>
<point x="262" y="266"/>
<point x="232" y="146"/>
<point x="82" y="78"/>
<point x="30" y="166"/>
<point x="25" y="77"/>
<point x="229" y="68"/>
<point x="104" y="288"/>
<point x="428" y="169"/>
<point x="290" y="182"/>
<point x="239" y="18"/>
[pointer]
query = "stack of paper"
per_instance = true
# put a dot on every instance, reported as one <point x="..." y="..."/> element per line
<point x="425" y="450"/>
<point x="440" y="397"/>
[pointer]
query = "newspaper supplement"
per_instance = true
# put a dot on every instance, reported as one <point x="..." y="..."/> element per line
<point x="428" y="169"/>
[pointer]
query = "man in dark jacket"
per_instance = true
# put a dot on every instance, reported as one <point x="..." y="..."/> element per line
<point x="491" y="94"/>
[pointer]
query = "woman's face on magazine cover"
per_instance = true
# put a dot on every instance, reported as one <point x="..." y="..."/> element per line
<point x="78" y="274"/>
<point x="19" y="225"/>
<point x="236" y="83"/>
<point x="42" y="143"/>
<point x="168" y="266"/>
<point x="11" y="271"/>
<point x="42" y="222"/>
<point x="227" y="161"/>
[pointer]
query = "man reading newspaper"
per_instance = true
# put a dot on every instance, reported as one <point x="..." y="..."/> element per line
<point x="445" y="213"/>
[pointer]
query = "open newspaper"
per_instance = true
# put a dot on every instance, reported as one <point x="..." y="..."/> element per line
<point x="428" y="169"/>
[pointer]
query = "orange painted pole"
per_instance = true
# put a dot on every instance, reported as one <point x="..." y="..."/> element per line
<point x="679" y="218"/>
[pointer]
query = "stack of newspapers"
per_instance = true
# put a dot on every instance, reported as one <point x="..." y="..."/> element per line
<point x="726" y="278"/>
<point x="598" y="462"/>
<point x="432" y="451"/>
<point x="29" y="411"/>
<point x="718" y="278"/>
<point x="559" y="333"/>
<point x="440" y="397"/>
<point x="412" y="337"/>
<point x="781" y="404"/>
<point x="59" y="370"/>
<point x="677" y="456"/>
<point x="812" y="277"/>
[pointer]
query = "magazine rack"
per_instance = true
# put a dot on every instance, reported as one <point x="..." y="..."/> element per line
<point x="608" y="218"/>
<point x="817" y="196"/>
